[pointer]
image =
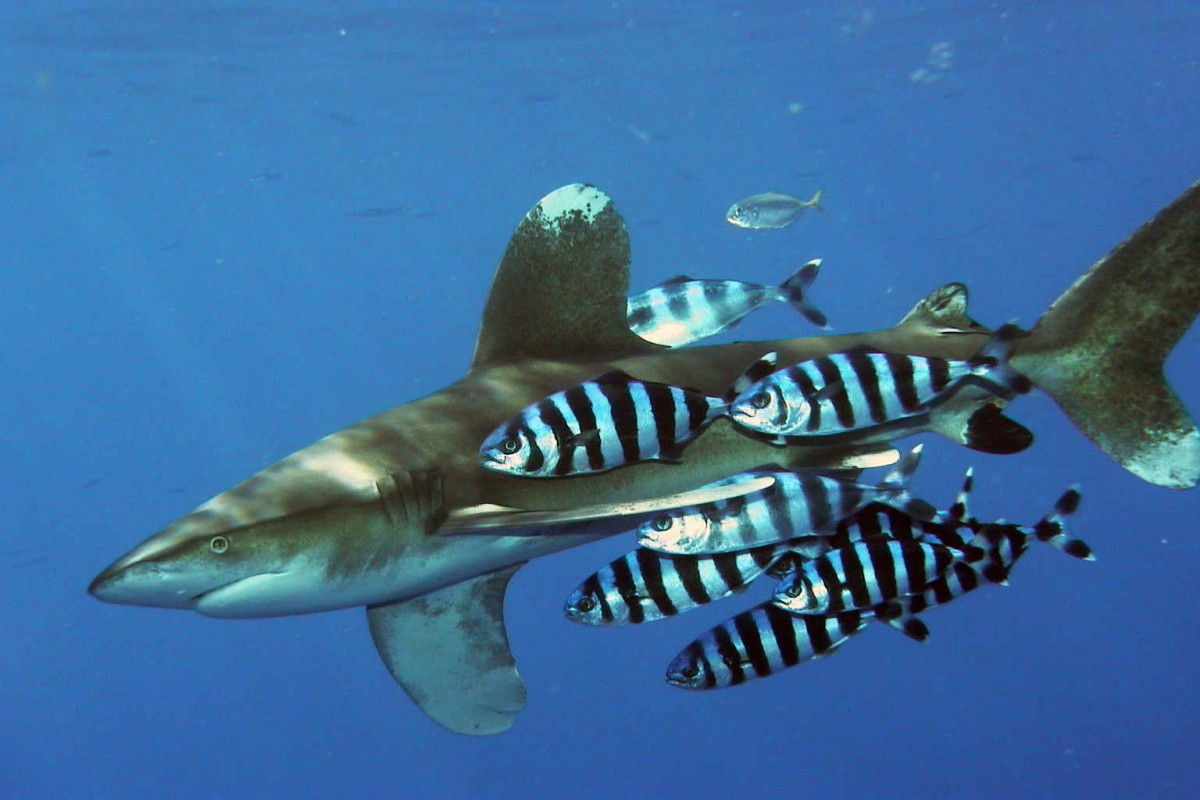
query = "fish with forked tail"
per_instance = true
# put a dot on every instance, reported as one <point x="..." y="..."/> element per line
<point x="771" y="210"/>
<point x="367" y="517"/>
<point x="864" y="393"/>
<point x="798" y="504"/>
<point x="683" y="310"/>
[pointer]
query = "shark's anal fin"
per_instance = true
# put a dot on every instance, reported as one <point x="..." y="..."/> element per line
<point x="1099" y="349"/>
<point x="449" y="650"/>
<point x="560" y="290"/>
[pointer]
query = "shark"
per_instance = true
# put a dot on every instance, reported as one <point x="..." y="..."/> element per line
<point x="396" y="515"/>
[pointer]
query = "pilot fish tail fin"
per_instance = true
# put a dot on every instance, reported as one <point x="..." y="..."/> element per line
<point x="794" y="291"/>
<point x="991" y="366"/>
<point x="1052" y="528"/>
<point x="896" y="486"/>
<point x="764" y="366"/>
<point x="815" y="200"/>
<point x="1099" y="349"/>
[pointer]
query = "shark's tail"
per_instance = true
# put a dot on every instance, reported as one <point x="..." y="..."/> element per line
<point x="1099" y="349"/>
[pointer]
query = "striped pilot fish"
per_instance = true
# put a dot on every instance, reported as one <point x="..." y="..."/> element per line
<point x="766" y="639"/>
<point x="862" y="576"/>
<point x="798" y="504"/>
<point x="601" y="424"/>
<point x="770" y="210"/>
<point x="864" y="390"/>
<point x="682" y="310"/>
<point x="989" y="558"/>
<point x="643" y="585"/>
<point x="760" y="642"/>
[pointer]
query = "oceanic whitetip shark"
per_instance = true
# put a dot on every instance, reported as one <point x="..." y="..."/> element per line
<point x="396" y="514"/>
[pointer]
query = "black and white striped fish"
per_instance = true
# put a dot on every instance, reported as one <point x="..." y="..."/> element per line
<point x="601" y="424"/>
<point x="766" y="639"/>
<point x="798" y="504"/>
<point x="758" y="643"/>
<point x="864" y="391"/>
<point x="996" y="547"/>
<point x="862" y="576"/>
<point x="643" y="586"/>
<point x="683" y="310"/>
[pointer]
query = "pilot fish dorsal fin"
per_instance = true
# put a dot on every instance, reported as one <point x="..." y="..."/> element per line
<point x="449" y="650"/>
<point x="944" y="310"/>
<point x="560" y="291"/>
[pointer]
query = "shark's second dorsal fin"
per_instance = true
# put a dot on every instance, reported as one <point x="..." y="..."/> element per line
<point x="449" y="650"/>
<point x="942" y="309"/>
<point x="560" y="291"/>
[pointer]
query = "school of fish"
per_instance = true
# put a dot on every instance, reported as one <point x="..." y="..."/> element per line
<point x="843" y="550"/>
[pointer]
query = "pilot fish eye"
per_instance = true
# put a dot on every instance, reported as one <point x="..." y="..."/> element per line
<point x="218" y="544"/>
<point x="794" y="590"/>
<point x="510" y="445"/>
<point x="690" y="671"/>
<point x="585" y="604"/>
<point x="760" y="400"/>
<point x="662" y="523"/>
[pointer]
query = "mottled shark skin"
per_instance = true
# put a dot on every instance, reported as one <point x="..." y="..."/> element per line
<point x="395" y="513"/>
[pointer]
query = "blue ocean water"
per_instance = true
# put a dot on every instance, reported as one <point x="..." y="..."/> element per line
<point x="230" y="228"/>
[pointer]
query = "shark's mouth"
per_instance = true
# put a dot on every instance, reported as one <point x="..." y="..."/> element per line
<point x="251" y="596"/>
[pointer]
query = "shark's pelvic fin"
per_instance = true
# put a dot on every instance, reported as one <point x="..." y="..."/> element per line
<point x="1099" y="349"/>
<point x="449" y="650"/>
<point x="561" y="289"/>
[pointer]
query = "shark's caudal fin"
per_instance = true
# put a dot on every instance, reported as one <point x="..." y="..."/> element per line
<point x="560" y="291"/>
<point x="1099" y="349"/>
<point x="449" y="650"/>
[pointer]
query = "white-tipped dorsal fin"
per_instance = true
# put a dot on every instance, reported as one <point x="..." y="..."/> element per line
<point x="560" y="291"/>
<point x="449" y="650"/>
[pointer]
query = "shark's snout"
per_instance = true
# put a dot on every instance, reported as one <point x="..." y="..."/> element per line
<point x="137" y="582"/>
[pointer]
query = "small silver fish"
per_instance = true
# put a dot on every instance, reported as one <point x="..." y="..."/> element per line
<point x="770" y="210"/>
<point x="683" y="310"/>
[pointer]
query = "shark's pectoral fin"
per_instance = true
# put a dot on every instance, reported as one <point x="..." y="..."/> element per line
<point x="560" y="290"/>
<point x="449" y="650"/>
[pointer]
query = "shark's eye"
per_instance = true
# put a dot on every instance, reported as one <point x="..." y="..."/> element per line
<point x="218" y="544"/>
<point x="760" y="400"/>
<point x="510" y="445"/>
<point x="690" y="671"/>
<point x="662" y="523"/>
<point x="585" y="604"/>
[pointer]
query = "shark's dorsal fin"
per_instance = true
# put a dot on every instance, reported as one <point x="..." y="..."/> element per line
<point x="944" y="310"/>
<point x="449" y="650"/>
<point x="560" y="290"/>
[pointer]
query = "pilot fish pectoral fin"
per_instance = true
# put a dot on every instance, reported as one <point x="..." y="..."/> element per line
<point x="449" y="651"/>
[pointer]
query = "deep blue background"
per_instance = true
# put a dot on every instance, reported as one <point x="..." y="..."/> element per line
<point x="186" y="296"/>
